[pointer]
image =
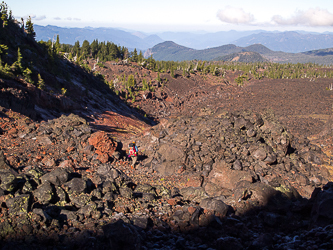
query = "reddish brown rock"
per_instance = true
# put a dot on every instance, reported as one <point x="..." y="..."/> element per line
<point x="225" y="177"/>
<point x="66" y="164"/>
<point x="172" y="202"/>
<point x="12" y="131"/>
<point x="103" y="157"/>
<point x="103" y="144"/>
<point x="194" y="181"/>
<point x="70" y="149"/>
<point x="48" y="161"/>
<point x="191" y="210"/>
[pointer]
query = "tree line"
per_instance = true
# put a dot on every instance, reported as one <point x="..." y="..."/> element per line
<point x="104" y="51"/>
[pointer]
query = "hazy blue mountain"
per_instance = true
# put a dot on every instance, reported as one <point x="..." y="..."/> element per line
<point x="320" y="52"/>
<point x="117" y="36"/>
<point x="205" y="40"/>
<point x="170" y="51"/>
<point x="289" y="41"/>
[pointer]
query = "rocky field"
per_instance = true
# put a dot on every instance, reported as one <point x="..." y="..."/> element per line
<point x="225" y="167"/>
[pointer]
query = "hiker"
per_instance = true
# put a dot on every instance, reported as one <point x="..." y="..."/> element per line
<point x="133" y="153"/>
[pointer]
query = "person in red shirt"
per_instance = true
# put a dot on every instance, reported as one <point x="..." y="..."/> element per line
<point x="133" y="153"/>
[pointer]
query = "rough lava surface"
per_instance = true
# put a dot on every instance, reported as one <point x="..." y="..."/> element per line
<point x="224" y="167"/>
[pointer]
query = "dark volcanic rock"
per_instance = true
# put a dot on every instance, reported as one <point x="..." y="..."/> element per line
<point x="170" y="158"/>
<point x="122" y="236"/>
<point x="194" y="194"/>
<point x="76" y="185"/>
<point x="19" y="205"/>
<point x="219" y="207"/>
<point x="57" y="177"/>
<point x="141" y="221"/>
<point x="3" y="163"/>
<point x="226" y="148"/>
<point x="9" y="180"/>
<point x="17" y="100"/>
<point x="44" y="193"/>
<point x="229" y="243"/>
<point x="126" y="192"/>
<point x="219" y="181"/>
<point x="322" y="211"/>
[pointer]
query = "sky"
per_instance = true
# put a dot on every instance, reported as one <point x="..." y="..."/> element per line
<point x="180" y="15"/>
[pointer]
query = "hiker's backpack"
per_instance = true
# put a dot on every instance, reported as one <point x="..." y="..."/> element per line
<point x="132" y="149"/>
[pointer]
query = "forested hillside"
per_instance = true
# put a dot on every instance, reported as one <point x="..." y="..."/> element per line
<point x="174" y="52"/>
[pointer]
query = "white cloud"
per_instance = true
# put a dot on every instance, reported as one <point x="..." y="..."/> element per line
<point x="67" y="19"/>
<point x="310" y="17"/>
<point x="235" y="16"/>
<point x="39" y="18"/>
<point x="35" y="17"/>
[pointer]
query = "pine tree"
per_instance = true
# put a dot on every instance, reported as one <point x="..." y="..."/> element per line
<point x="124" y="52"/>
<point x="172" y="72"/>
<point x="76" y="48"/>
<point x="140" y="57"/>
<point x="94" y="48"/>
<point x="145" y="85"/>
<point x="131" y="81"/>
<point x="3" y="50"/>
<point x="85" y="49"/>
<point x="4" y="14"/>
<point x="40" y="83"/>
<point x="29" y="27"/>
<point x="27" y="75"/>
<point x="114" y="51"/>
<point x="53" y="47"/>
<point x="184" y="72"/>
<point x="57" y="45"/>
<point x="135" y="56"/>
<point x="17" y="65"/>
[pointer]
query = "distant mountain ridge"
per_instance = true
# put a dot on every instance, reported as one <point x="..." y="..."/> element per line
<point x="170" y="51"/>
<point x="205" y="40"/>
<point x="290" y="41"/>
<point x="117" y="36"/>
